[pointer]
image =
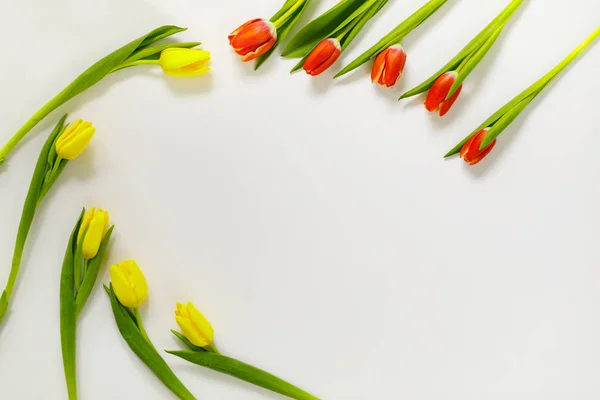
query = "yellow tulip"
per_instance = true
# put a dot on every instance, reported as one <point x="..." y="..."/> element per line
<point x="194" y="326"/>
<point x="96" y="222"/>
<point x="129" y="283"/>
<point x="184" y="62"/>
<point x="74" y="139"/>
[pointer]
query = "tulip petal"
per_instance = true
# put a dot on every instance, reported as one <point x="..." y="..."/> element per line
<point x="447" y="104"/>
<point x="484" y="153"/>
<point x="378" y="66"/>
<point x="322" y="57"/>
<point x="122" y="288"/>
<point x="394" y="65"/>
<point x="190" y="332"/>
<point x="175" y="58"/>
<point x="259" y="51"/>
<point x="440" y="89"/>
<point x="253" y="35"/>
<point x="200" y="323"/>
<point x="94" y="235"/>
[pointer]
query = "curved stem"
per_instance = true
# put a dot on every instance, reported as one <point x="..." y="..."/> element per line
<point x="284" y="18"/>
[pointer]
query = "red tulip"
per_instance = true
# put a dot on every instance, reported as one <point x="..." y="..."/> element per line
<point x="388" y="66"/>
<point x="253" y="39"/>
<point x="322" y="57"/>
<point x="436" y="98"/>
<point x="471" y="151"/>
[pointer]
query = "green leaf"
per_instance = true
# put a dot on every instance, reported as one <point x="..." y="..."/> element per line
<point x="361" y="21"/>
<point x="531" y="92"/>
<point x="470" y="63"/>
<point x="396" y="35"/>
<point x="244" y="372"/>
<point x="68" y="318"/>
<point x="144" y="349"/>
<point x="91" y="274"/>
<point x="506" y="119"/>
<point x="87" y="79"/>
<point x="468" y="50"/>
<point x="321" y="28"/>
<point x="186" y="342"/>
<point x="284" y="30"/>
<point x="148" y="52"/>
<point x="28" y="213"/>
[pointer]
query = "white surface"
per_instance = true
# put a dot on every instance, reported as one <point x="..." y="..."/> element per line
<point x="315" y="223"/>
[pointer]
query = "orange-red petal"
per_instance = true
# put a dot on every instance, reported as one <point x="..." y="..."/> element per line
<point x="322" y="57"/>
<point x="447" y="104"/>
<point x="471" y="152"/>
<point x="395" y="61"/>
<point x="440" y="89"/>
<point x="253" y="39"/>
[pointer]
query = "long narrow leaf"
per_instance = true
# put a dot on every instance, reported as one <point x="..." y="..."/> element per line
<point x="91" y="274"/>
<point x="68" y="318"/>
<point x="244" y="372"/>
<point x="28" y="213"/>
<point x="471" y="47"/>
<point x="362" y="21"/>
<point x="145" y="350"/>
<point x="308" y="37"/>
<point x="396" y="35"/>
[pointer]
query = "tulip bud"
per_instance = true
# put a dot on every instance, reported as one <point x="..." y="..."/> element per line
<point x="322" y="57"/>
<point x="253" y="39"/>
<point x="436" y="98"/>
<point x="194" y="326"/>
<point x="471" y="151"/>
<point x="129" y="283"/>
<point x="74" y="139"/>
<point x="184" y="62"/>
<point x="388" y="66"/>
<point x="96" y="223"/>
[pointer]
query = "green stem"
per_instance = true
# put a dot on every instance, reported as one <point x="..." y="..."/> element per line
<point x="140" y="324"/>
<point x="284" y="18"/>
<point x="213" y="348"/>
<point x="27" y="216"/>
<point x="243" y="371"/>
<point x="29" y="125"/>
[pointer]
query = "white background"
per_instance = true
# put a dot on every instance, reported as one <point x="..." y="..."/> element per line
<point x="315" y="223"/>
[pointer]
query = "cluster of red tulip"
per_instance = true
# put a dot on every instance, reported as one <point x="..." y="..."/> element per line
<point x="321" y="43"/>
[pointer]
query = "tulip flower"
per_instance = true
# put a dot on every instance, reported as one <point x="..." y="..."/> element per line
<point x="194" y="325"/>
<point x="322" y="57"/>
<point x="472" y="153"/>
<point x="126" y="292"/>
<point x="258" y="38"/>
<point x="77" y="280"/>
<point x="129" y="283"/>
<point x="387" y="51"/>
<point x="74" y="140"/>
<point x="198" y="335"/>
<point x="445" y="85"/>
<point x="143" y="50"/>
<point x="437" y="98"/>
<point x="253" y="39"/>
<point x="482" y="140"/>
<point x="95" y="226"/>
<point x="63" y="145"/>
<point x="388" y="66"/>
<point x="320" y="43"/>
<point x="184" y="62"/>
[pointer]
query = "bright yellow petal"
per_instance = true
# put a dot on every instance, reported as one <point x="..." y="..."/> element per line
<point x="73" y="144"/>
<point x="201" y="324"/>
<point x="85" y="223"/>
<point x="122" y="288"/>
<point x="187" y="72"/>
<point x="190" y="333"/>
<point x="175" y="58"/>
<point x="137" y="281"/>
<point x="94" y="236"/>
